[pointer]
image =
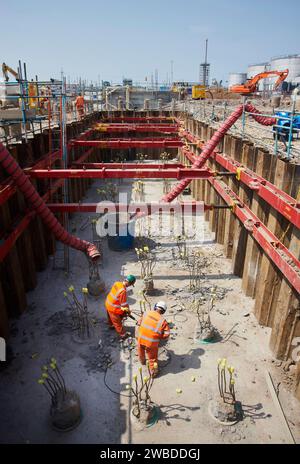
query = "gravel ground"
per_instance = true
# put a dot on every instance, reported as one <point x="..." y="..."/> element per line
<point x="213" y="114"/>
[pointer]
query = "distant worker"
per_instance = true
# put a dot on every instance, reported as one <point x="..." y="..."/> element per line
<point x="152" y="328"/>
<point x="79" y="104"/>
<point x="116" y="304"/>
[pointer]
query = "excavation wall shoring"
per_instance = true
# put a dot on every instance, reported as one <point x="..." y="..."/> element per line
<point x="276" y="305"/>
<point x="32" y="242"/>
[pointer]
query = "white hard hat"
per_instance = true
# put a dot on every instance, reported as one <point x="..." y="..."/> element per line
<point x="161" y="305"/>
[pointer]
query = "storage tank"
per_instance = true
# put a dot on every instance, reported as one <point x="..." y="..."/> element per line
<point x="236" y="79"/>
<point x="290" y="62"/>
<point x="254" y="69"/>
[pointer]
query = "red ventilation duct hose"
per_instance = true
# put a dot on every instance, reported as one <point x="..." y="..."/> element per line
<point x="37" y="203"/>
<point x="211" y="144"/>
<point x="264" y="120"/>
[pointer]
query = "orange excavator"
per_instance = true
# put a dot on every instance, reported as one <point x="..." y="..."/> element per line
<point x="250" y="85"/>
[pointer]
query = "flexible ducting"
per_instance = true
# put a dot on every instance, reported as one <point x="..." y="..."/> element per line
<point x="264" y="120"/>
<point x="211" y="144"/>
<point x="37" y="203"/>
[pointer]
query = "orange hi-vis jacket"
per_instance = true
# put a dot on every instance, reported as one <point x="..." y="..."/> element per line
<point x="116" y="300"/>
<point x="79" y="102"/>
<point x="153" y="327"/>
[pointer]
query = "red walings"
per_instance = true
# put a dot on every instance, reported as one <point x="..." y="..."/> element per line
<point x="211" y="144"/>
<point x="38" y="204"/>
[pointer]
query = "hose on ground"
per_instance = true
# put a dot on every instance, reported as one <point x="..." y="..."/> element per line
<point x="37" y="203"/>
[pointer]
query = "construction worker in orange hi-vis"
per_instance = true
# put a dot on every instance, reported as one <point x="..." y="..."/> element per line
<point x="116" y="305"/>
<point x="152" y="328"/>
<point x="79" y="103"/>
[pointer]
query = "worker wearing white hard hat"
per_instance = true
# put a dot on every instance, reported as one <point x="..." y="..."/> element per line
<point x="152" y="328"/>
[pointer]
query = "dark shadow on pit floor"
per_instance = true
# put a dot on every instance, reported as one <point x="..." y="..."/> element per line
<point x="252" y="411"/>
<point x="178" y="363"/>
<point x="175" y="411"/>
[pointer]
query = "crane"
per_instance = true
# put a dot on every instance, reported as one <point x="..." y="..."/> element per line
<point x="7" y="69"/>
<point x="250" y="85"/>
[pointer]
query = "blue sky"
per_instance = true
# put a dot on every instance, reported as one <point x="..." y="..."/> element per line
<point x="130" y="38"/>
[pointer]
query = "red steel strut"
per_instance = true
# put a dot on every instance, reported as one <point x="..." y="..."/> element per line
<point x="211" y="144"/>
<point x="23" y="183"/>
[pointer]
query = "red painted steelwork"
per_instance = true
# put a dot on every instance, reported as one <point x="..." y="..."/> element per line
<point x="141" y="173"/>
<point x="206" y="152"/>
<point x="127" y="165"/>
<point x="31" y="195"/>
<point x="8" y="242"/>
<point x="132" y="119"/>
<point x="137" y="128"/>
<point x="284" y="260"/>
<point x="275" y="197"/>
<point x="129" y="143"/>
<point x="211" y="144"/>
<point x="188" y="206"/>
<point x="8" y="188"/>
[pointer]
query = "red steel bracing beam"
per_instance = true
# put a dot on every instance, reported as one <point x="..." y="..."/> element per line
<point x="9" y="241"/>
<point x="132" y="119"/>
<point x="8" y="188"/>
<point x="211" y="144"/>
<point x="129" y="143"/>
<point x="137" y="128"/>
<point x="37" y="203"/>
<point x="284" y="260"/>
<point x="189" y="154"/>
<point x="274" y="196"/>
<point x="141" y="173"/>
<point x="187" y="206"/>
<point x="127" y="165"/>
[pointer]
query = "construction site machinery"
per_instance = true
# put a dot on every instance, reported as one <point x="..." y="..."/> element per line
<point x="251" y="85"/>
<point x="7" y="69"/>
<point x="198" y="92"/>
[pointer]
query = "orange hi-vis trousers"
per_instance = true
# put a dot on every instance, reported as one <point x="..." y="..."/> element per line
<point x="116" y="321"/>
<point x="151" y="353"/>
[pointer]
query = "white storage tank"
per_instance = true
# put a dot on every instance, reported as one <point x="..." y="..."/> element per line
<point x="290" y="62"/>
<point x="258" y="68"/>
<point x="236" y="79"/>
